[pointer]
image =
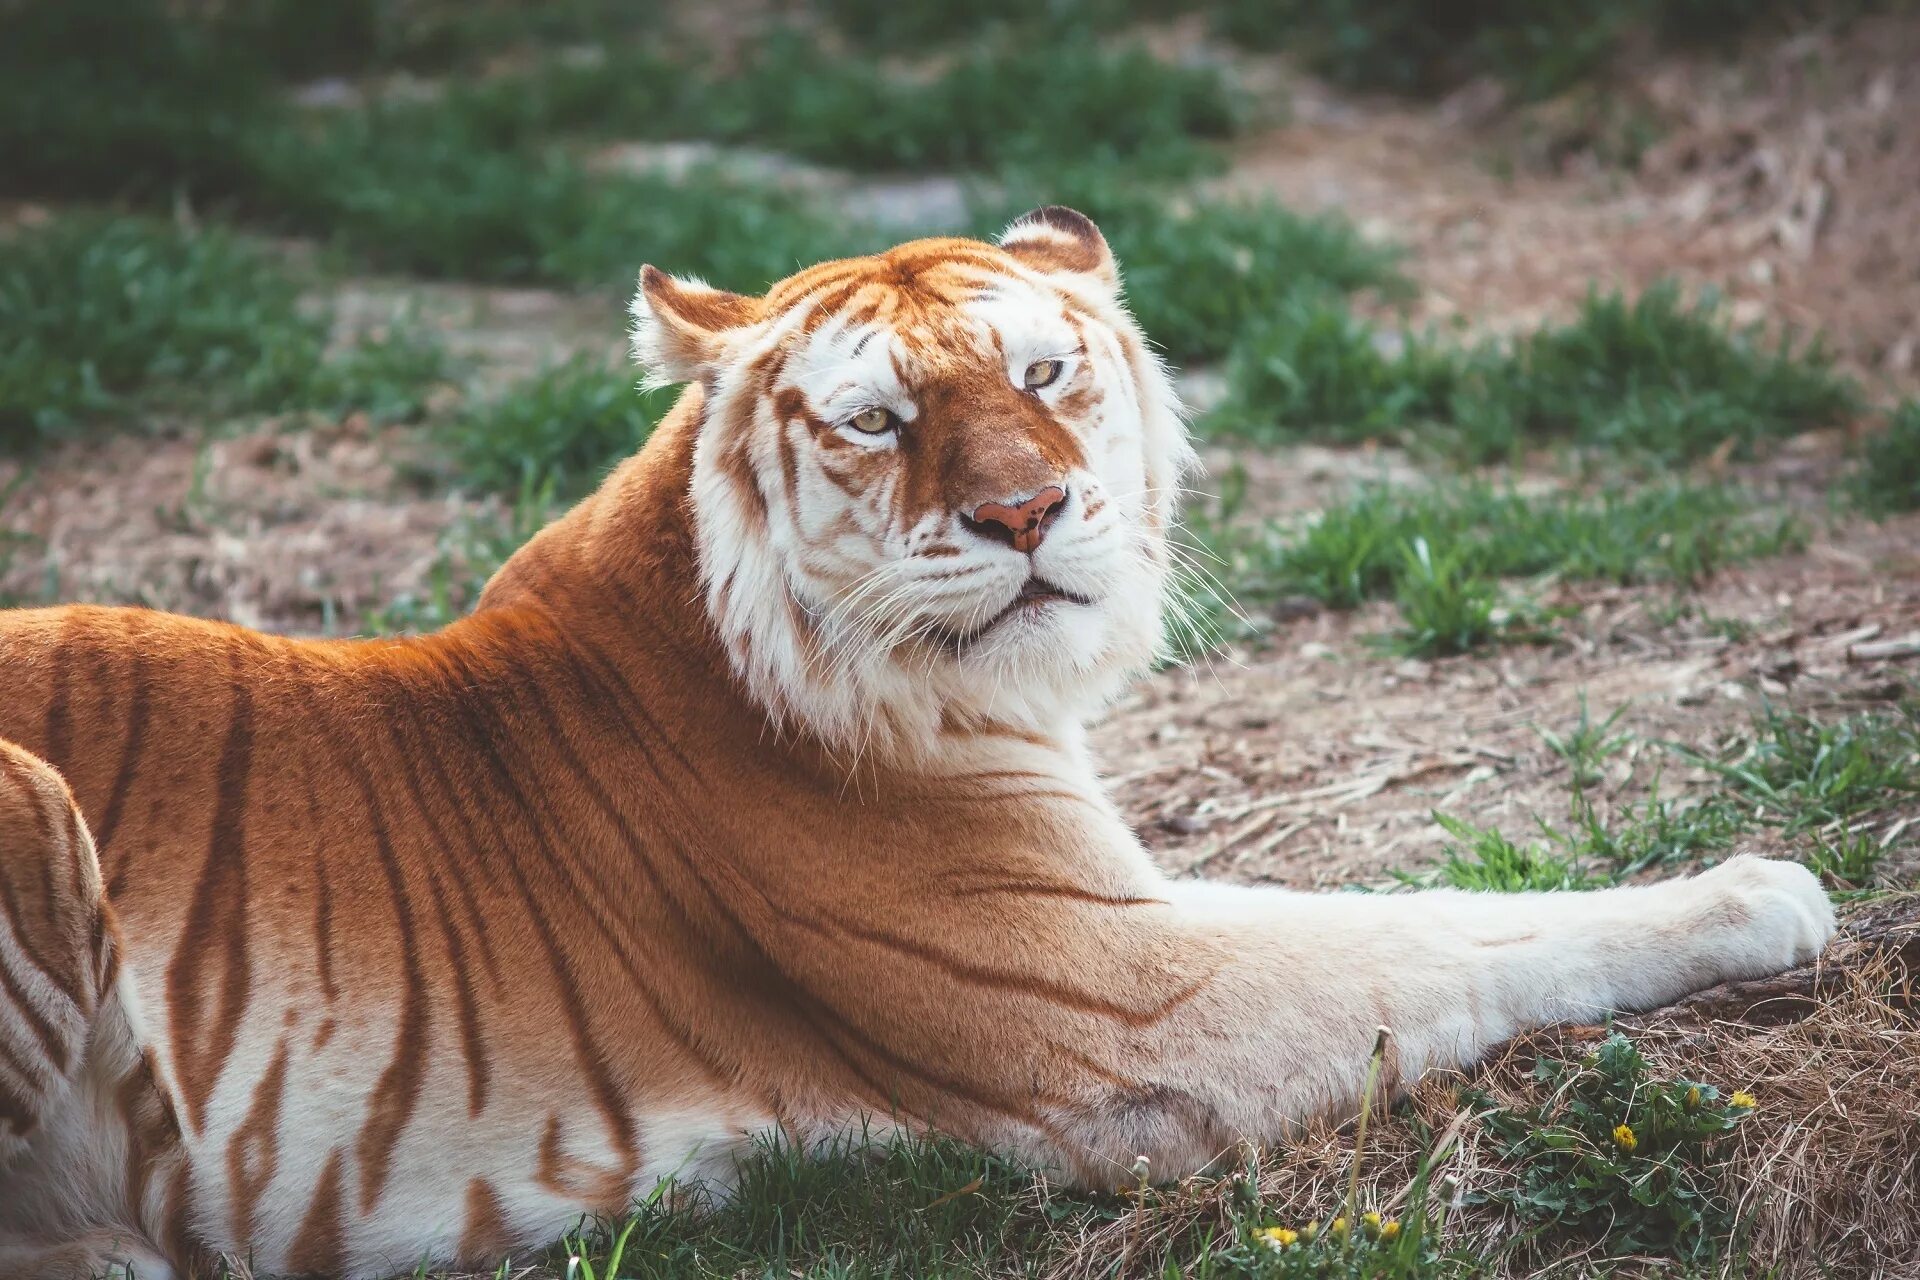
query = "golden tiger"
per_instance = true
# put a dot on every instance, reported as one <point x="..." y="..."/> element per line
<point x="753" y="799"/>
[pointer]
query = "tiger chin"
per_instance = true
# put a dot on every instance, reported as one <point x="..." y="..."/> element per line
<point x="751" y="801"/>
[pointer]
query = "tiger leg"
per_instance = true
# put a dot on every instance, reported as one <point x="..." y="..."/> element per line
<point x="102" y="1256"/>
<point x="54" y="946"/>
<point x="67" y="1045"/>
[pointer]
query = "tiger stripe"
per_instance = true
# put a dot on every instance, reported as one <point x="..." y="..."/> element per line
<point x="712" y="821"/>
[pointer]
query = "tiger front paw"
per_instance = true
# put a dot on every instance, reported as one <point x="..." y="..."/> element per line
<point x="1761" y="916"/>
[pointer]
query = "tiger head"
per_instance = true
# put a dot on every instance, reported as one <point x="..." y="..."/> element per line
<point x="932" y="486"/>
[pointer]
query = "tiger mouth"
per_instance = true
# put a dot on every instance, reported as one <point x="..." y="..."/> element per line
<point x="1035" y="594"/>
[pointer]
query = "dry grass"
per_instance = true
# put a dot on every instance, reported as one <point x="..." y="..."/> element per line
<point x="1823" y="1176"/>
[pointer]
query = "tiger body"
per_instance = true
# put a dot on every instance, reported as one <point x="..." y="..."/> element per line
<point x="752" y="800"/>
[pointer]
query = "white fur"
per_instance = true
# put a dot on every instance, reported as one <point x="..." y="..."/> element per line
<point x="860" y="679"/>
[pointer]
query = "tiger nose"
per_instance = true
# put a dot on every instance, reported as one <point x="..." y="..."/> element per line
<point x="1020" y="525"/>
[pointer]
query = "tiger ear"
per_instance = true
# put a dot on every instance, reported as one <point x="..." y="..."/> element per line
<point x="1056" y="240"/>
<point x="682" y="327"/>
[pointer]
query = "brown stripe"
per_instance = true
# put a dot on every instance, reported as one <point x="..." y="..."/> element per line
<point x="131" y="752"/>
<point x="253" y="1153"/>
<point x="56" y="730"/>
<point x="466" y="1008"/>
<point x="211" y="969"/>
<point x="1045" y="889"/>
<point x="397" y="1091"/>
<point x="323" y="931"/>
<point x="485" y="1236"/>
<point x="29" y="924"/>
<point x="320" y="1247"/>
<point x="16" y="1112"/>
<point x="1018" y="983"/>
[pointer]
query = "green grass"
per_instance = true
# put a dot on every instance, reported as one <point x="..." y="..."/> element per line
<point x="1887" y="481"/>
<point x="917" y="27"/>
<point x="1535" y="50"/>
<point x="1823" y="783"/>
<point x="1800" y="774"/>
<point x="429" y="193"/>
<point x="480" y="180"/>
<point x="1359" y="549"/>
<point x="469" y="554"/>
<point x="989" y="106"/>
<point x="1201" y="274"/>
<point x="919" y="1207"/>
<point x="1611" y="1156"/>
<point x="564" y="427"/>
<point x="108" y="316"/>
<point x="1654" y="377"/>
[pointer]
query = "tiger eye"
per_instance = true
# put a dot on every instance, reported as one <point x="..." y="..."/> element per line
<point x="872" y="422"/>
<point x="1041" y="373"/>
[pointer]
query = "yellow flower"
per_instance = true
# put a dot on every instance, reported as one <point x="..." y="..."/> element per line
<point x="1277" y="1237"/>
<point x="1309" y="1231"/>
<point x="1339" y="1227"/>
<point x="1742" y="1099"/>
<point x="1370" y="1221"/>
<point x="1623" y="1138"/>
<point x="1693" y="1096"/>
<point x="1390" y="1228"/>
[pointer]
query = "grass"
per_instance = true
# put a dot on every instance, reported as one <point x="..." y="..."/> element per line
<point x="1611" y="1153"/>
<point x="1887" y="481"/>
<point x="1821" y="783"/>
<point x="1801" y="774"/>
<point x="1535" y="51"/>
<point x="926" y="1207"/>
<point x="468" y="555"/>
<point x="107" y="317"/>
<point x="1653" y="377"/>
<point x="1199" y="274"/>
<point x="481" y="181"/>
<point x="1440" y="551"/>
<point x="989" y="106"/>
<point x="563" y="428"/>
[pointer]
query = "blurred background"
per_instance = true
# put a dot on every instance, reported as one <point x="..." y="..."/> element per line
<point x="1554" y="367"/>
<point x="375" y="250"/>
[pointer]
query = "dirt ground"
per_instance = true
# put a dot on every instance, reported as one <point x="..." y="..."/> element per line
<point x="1788" y="182"/>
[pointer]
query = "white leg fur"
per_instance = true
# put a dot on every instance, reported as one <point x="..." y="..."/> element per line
<point x="1286" y="1031"/>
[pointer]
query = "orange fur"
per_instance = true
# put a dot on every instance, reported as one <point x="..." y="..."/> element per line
<point x="431" y="943"/>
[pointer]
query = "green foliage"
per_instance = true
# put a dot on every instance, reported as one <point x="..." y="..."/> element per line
<point x="1587" y="747"/>
<point x="1673" y="532"/>
<point x="1199" y="277"/>
<point x="105" y="315"/>
<point x="1800" y="773"/>
<point x="1368" y="547"/>
<point x="1310" y="369"/>
<point x="1538" y="50"/>
<point x="564" y="427"/>
<point x="469" y="554"/>
<point x="1616" y="1156"/>
<point x="991" y="106"/>
<point x="914" y="27"/>
<point x="1447" y="608"/>
<point x="117" y="97"/>
<point x="1485" y="860"/>
<point x="431" y="193"/>
<point x="1888" y="480"/>
<point x="1654" y="377"/>
<point x="1848" y="861"/>
<point x="1073" y="103"/>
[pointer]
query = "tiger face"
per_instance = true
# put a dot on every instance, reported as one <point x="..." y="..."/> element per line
<point x="931" y="486"/>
